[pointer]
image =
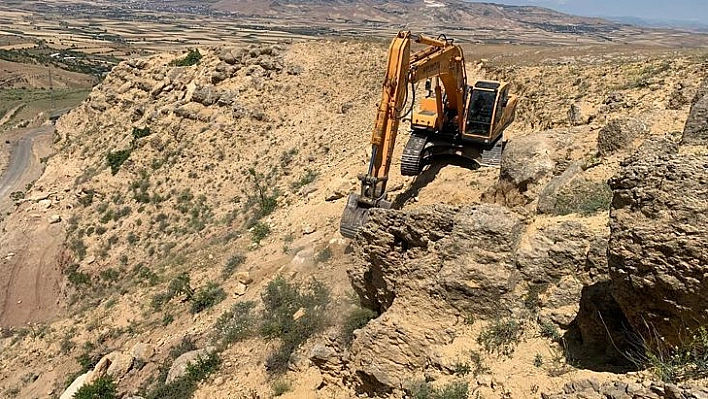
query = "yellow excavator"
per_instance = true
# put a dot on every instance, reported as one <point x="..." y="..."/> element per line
<point x="453" y="119"/>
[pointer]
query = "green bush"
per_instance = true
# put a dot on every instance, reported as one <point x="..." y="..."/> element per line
<point x="306" y="179"/>
<point x="583" y="197"/>
<point x="324" y="255"/>
<point x="116" y="158"/>
<point x="687" y="361"/>
<point x="501" y="337"/>
<point x="356" y="319"/>
<point x="102" y="388"/>
<point x="280" y="387"/>
<point x="232" y="264"/>
<point x="192" y="58"/>
<point x="281" y="301"/>
<point x="140" y="133"/>
<point x="453" y="390"/>
<point x="206" y="297"/>
<point x="550" y="331"/>
<point x="236" y="324"/>
<point x="265" y="198"/>
<point x="185" y="386"/>
<point x="260" y="231"/>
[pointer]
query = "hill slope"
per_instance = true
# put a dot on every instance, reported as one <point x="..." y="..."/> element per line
<point x="176" y="182"/>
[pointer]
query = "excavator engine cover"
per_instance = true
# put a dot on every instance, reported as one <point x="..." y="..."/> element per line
<point x="356" y="213"/>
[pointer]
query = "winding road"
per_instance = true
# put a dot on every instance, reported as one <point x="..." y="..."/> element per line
<point x="23" y="165"/>
<point x="30" y="278"/>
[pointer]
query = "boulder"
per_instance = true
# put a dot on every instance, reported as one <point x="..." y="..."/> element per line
<point x="620" y="134"/>
<point x="548" y="198"/>
<point x="205" y="95"/>
<point x="75" y="386"/>
<point x="530" y="161"/>
<point x="657" y="249"/>
<point x="558" y="249"/>
<point x="696" y="130"/>
<point x="179" y="366"/>
<point x="143" y="352"/>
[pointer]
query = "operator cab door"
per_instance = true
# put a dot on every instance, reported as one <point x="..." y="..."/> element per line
<point x="482" y="110"/>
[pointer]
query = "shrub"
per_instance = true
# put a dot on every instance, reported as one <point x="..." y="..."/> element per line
<point x="453" y="390"/>
<point x="280" y="387"/>
<point x="478" y="365"/>
<point x="116" y="159"/>
<point x="192" y="58"/>
<point x="17" y="195"/>
<point x="101" y="388"/>
<point x="689" y="360"/>
<point x="501" y="336"/>
<point x="236" y="324"/>
<point x="356" y="319"/>
<point x="306" y="179"/>
<point x="550" y="331"/>
<point x="140" y="133"/>
<point x="206" y="297"/>
<point x="185" y="386"/>
<point x="260" y="231"/>
<point x="232" y="264"/>
<point x="265" y="198"/>
<point x="583" y="197"/>
<point x="324" y="255"/>
<point x="281" y="301"/>
<point x="76" y="277"/>
<point x="538" y="360"/>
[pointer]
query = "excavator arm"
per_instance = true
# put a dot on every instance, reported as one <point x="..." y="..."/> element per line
<point x="440" y="59"/>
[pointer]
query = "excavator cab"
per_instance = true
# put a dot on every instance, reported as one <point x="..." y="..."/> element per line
<point x="488" y="110"/>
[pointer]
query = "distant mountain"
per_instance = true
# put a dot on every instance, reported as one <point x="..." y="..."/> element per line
<point x="696" y="26"/>
<point x="434" y="13"/>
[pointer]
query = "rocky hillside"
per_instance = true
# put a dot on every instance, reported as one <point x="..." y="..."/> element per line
<point x="198" y="201"/>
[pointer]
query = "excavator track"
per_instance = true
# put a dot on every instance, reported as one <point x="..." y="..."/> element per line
<point x="411" y="162"/>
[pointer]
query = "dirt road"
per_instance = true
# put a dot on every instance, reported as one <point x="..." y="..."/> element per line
<point x="24" y="165"/>
<point x="30" y="279"/>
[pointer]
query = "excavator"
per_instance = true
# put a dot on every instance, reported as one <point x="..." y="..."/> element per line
<point x="454" y="119"/>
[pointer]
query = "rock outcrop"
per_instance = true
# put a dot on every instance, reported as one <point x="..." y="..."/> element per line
<point x="593" y="389"/>
<point x="427" y="270"/>
<point x="657" y="250"/>
<point x="696" y="130"/>
<point x="620" y="134"/>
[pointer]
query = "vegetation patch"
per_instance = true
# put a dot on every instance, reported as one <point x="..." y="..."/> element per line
<point x="139" y="133"/>
<point x="207" y="296"/>
<point x="501" y="336"/>
<point x="260" y="231"/>
<point x="237" y="324"/>
<point x="185" y="386"/>
<point x="292" y="315"/>
<point x="102" y="388"/>
<point x="280" y="387"/>
<point x="357" y="318"/>
<point x="232" y="265"/>
<point x="687" y="361"/>
<point x="117" y="158"/>
<point x="192" y="58"/>
<point x="453" y="390"/>
<point x="583" y="197"/>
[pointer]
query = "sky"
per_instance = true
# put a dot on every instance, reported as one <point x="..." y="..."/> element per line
<point x="684" y="10"/>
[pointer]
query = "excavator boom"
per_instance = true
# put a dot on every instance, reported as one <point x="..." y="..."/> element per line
<point x="440" y="60"/>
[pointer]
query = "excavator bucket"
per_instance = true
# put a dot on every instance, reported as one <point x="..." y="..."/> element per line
<point x="356" y="213"/>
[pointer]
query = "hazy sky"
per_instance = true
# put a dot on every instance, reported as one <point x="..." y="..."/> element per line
<point x="688" y="10"/>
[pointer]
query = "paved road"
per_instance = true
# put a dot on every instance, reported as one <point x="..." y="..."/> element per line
<point x="20" y="162"/>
